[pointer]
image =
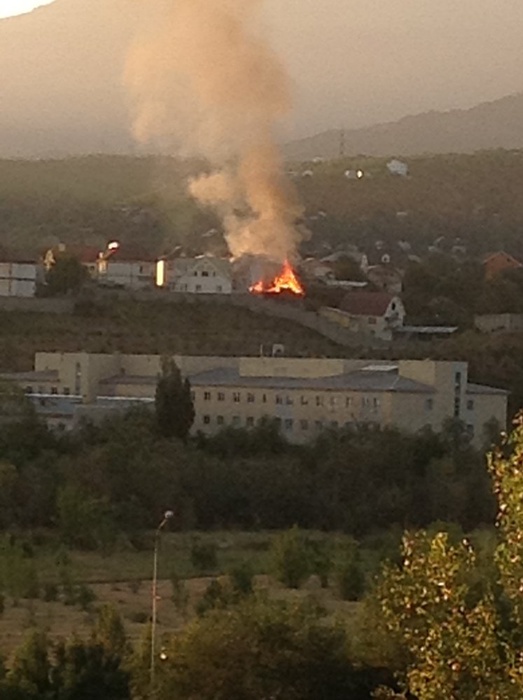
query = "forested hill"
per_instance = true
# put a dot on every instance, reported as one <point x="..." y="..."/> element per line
<point x="497" y="124"/>
<point x="144" y="200"/>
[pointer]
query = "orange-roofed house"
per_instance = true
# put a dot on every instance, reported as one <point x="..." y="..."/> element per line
<point x="374" y="314"/>
<point x="496" y="263"/>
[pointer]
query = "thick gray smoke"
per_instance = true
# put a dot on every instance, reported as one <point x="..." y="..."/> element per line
<point x="206" y="78"/>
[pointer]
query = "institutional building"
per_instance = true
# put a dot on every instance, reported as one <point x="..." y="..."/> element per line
<point x="305" y="396"/>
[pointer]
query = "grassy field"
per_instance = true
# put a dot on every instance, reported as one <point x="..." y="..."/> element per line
<point x="123" y="580"/>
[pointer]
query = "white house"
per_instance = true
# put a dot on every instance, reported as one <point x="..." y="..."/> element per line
<point x="125" y="266"/>
<point x="18" y="279"/>
<point x="376" y="314"/>
<point x="201" y="275"/>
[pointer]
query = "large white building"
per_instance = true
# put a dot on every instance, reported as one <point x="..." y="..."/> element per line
<point x="305" y="396"/>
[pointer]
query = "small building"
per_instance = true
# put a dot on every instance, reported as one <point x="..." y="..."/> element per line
<point x="386" y="277"/>
<point x="374" y="314"/>
<point x="496" y="263"/>
<point x="18" y="278"/>
<point x="204" y="274"/>
<point x="126" y="266"/>
<point x="499" y="323"/>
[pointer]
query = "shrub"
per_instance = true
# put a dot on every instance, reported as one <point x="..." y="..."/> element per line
<point x="291" y="558"/>
<point x="241" y="577"/>
<point x="204" y="556"/>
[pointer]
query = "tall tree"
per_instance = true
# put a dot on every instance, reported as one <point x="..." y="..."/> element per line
<point x="460" y="620"/>
<point x="67" y="275"/>
<point x="173" y="403"/>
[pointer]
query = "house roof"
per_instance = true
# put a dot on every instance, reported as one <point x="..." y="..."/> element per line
<point x="366" y="303"/>
<point x="501" y="255"/>
<point x="129" y="253"/>
<point x="483" y="389"/>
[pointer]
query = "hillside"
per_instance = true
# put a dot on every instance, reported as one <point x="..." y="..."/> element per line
<point x="143" y="201"/>
<point x="497" y="124"/>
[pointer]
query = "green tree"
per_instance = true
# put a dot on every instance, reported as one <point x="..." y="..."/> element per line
<point x="30" y="670"/>
<point x="173" y="402"/>
<point x="260" y="649"/>
<point x="67" y="275"/>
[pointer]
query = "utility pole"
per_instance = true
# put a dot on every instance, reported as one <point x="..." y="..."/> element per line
<point x="154" y="592"/>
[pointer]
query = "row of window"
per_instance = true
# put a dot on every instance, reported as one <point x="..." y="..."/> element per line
<point x="66" y="391"/>
<point x="198" y="288"/>
<point x="287" y="424"/>
<point x="280" y="399"/>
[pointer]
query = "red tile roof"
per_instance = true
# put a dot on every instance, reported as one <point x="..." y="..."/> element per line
<point x="366" y="303"/>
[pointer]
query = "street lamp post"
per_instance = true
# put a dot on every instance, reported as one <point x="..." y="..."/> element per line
<point x="166" y="517"/>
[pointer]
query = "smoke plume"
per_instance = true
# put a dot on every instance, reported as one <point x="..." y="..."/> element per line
<point x="205" y="80"/>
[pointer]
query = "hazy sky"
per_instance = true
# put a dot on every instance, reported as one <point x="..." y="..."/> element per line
<point x="352" y="62"/>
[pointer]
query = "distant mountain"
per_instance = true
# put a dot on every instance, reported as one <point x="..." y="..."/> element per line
<point x="61" y="87"/>
<point x="497" y="124"/>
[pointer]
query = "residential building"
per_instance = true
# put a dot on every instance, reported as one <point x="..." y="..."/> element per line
<point x="375" y="314"/>
<point x="204" y="274"/>
<point x="305" y="396"/>
<point x="386" y="277"/>
<point x="18" y="278"/>
<point x="126" y="266"/>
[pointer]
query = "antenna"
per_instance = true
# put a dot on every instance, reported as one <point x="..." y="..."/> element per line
<point x="342" y="143"/>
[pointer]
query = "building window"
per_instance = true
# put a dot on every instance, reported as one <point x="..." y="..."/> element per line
<point x="470" y="405"/>
<point x="348" y="402"/>
<point x="319" y="400"/>
<point x="289" y="423"/>
<point x="206" y="420"/>
<point x="236" y="420"/>
<point x="264" y="398"/>
<point x="250" y="398"/>
<point x="198" y="287"/>
<point x="429" y="404"/>
<point x="236" y="397"/>
<point x="205" y="273"/>
<point x="206" y="395"/>
<point x="375" y="403"/>
<point x="304" y="424"/>
<point x="304" y="401"/>
<point x="54" y="390"/>
<point x="289" y="400"/>
<point x="278" y="422"/>
<point x="249" y="422"/>
<point x="333" y="401"/>
<point x="279" y="399"/>
<point x="457" y="380"/>
<point x="470" y="430"/>
<point x="457" y="406"/>
<point x="219" y="288"/>
<point x="221" y="396"/>
<point x="28" y="389"/>
<point x="318" y="425"/>
<point x="219" y="420"/>
<point x="67" y="391"/>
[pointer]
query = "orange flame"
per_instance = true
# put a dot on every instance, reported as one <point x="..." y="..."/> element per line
<point x="286" y="281"/>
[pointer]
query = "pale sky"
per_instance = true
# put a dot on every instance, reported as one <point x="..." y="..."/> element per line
<point x="10" y="8"/>
<point x="352" y="62"/>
